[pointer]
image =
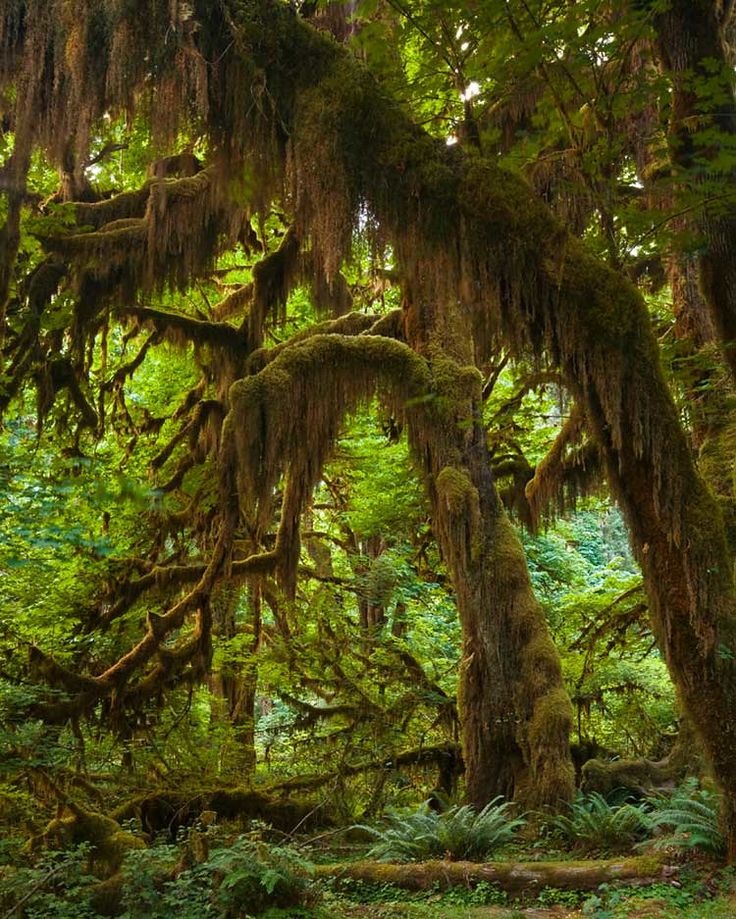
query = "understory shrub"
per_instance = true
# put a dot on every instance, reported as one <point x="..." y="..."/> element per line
<point x="593" y="826"/>
<point x="460" y="832"/>
<point x="55" y="886"/>
<point x="689" y="818"/>
<point x="245" y="878"/>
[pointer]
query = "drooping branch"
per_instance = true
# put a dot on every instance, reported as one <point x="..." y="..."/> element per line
<point x="286" y="418"/>
<point x="571" y="468"/>
<point x="444" y="756"/>
<point x="185" y="223"/>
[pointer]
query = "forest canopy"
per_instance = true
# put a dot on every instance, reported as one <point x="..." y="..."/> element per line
<point x="367" y="399"/>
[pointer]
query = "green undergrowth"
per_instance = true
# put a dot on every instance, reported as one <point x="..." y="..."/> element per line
<point x="212" y="871"/>
<point x="457" y="833"/>
<point x="685" y="819"/>
<point x="244" y="877"/>
<point x="692" y="895"/>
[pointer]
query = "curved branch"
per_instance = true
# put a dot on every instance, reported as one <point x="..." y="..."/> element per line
<point x="287" y="417"/>
<point x="197" y="331"/>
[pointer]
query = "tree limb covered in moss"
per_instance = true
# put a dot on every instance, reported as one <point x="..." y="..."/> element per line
<point x="197" y="331"/>
<point x="421" y="757"/>
<point x="327" y="376"/>
<point x="571" y="469"/>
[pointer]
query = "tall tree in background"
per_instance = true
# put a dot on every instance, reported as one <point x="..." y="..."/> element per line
<point x="290" y="118"/>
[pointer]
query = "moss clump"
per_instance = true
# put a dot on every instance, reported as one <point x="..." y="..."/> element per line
<point x="456" y="491"/>
<point x="636" y="776"/>
<point x="110" y="843"/>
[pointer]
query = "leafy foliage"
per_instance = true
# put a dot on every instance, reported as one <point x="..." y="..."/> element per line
<point x="689" y="818"/>
<point x="241" y="877"/>
<point x="594" y="826"/>
<point x="460" y="832"/>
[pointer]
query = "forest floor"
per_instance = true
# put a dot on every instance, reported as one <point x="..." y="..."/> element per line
<point x="698" y="896"/>
<point x="720" y="908"/>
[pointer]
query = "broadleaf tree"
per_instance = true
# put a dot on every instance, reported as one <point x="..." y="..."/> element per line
<point x="269" y="140"/>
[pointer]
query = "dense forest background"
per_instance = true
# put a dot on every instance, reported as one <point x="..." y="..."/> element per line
<point x="367" y="411"/>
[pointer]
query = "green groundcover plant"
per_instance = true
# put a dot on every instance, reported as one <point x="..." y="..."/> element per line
<point x="460" y="832"/>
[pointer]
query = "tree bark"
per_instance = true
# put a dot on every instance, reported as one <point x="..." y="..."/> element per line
<point x="691" y="50"/>
<point x="515" y="878"/>
<point x="515" y="713"/>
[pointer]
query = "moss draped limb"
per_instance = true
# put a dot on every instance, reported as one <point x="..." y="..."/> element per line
<point x="286" y="418"/>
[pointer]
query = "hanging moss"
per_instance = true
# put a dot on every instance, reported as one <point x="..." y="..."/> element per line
<point x="570" y="469"/>
<point x="326" y="376"/>
<point x="185" y="222"/>
<point x="127" y="205"/>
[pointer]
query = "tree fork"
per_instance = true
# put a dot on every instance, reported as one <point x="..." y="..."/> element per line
<point x="472" y="226"/>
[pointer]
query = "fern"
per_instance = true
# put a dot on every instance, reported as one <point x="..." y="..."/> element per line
<point x="595" y="826"/>
<point x="457" y="833"/>
<point x="690" y="818"/>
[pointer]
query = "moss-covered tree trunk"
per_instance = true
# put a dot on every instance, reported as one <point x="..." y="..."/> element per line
<point x="702" y="125"/>
<point x="515" y="713"/>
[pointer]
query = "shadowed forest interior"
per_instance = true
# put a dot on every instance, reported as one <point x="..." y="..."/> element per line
<point x="368" y="461"/>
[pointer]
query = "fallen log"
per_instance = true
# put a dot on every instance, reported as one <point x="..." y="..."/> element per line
<point x="513" y="877"/>
<point x="168" y="810"/>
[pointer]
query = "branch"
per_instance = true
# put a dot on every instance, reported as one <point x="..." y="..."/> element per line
<point x="197" y="331"/>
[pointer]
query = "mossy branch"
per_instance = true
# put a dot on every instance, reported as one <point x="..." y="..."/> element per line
<point x="421" y="757"/>
<point x="286" y="418"/>
<point x="571" y="468"/>
<point x="220" y="335"/>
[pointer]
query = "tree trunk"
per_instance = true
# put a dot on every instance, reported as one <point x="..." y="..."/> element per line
<point x="515" y="713"/>
<point x="234" y="685"/>
<point x="515" y="878"/>
<point x="692" y="51"/>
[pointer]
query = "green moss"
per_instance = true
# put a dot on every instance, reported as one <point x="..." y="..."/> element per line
<point x="553" y="713"/>
<point x="457" y="385"/>
<point x="635" y="775"/>
<point x="109" y="841"/>
<point x="456" y="490"/>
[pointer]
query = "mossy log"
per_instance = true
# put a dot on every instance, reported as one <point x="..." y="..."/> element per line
<point x="513" y="877"/>
<point x="166" y="811"/>
<point x="110" y="842"/>
<point x="637" y="776"/>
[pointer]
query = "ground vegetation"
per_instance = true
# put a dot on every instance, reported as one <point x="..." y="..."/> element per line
<point x="368" y="410"/>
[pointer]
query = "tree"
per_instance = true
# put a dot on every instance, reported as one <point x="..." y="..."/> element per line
<point x="480" y="260"/>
